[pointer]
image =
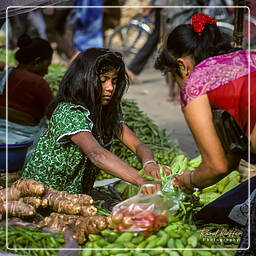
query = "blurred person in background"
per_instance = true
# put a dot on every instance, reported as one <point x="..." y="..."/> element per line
<point x="88" y="26"/>
<point x="139" y="61"/>
<point x="28" y="92"/>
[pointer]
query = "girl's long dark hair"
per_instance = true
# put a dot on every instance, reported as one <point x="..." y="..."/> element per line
<point x="185" y="41"/>
<point x="81" y="85"/>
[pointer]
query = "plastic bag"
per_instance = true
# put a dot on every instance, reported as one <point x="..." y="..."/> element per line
<point x="143" y="212"/>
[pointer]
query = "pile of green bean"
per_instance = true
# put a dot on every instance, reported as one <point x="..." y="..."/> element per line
<point x="54" y="76"/>
<point x="10" y="57"/>
<point x="22" y="240"/>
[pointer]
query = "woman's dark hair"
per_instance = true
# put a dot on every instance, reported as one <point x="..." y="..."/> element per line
<point x="185" y="41"/>
<point x="81" y="85"/>
<point x="32" y="48"/>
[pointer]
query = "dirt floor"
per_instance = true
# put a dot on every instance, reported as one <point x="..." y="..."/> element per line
<point x="152" y="99"/>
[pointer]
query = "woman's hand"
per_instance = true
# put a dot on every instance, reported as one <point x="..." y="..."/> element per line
<point x="182" y="181"/>
<point x="153" y="169"/>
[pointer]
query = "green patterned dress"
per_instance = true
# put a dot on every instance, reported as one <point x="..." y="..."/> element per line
<point x="56" y="161"/>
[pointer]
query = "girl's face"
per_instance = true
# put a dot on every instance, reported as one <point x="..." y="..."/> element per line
<point x="108" y="83"/>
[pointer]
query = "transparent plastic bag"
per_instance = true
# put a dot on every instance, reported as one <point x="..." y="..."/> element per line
<point x="143" y="212"/>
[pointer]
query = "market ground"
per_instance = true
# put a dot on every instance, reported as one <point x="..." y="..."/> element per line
<point x="152" y="99"/>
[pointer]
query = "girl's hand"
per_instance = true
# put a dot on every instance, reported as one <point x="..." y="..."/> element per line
<point x="150" y="187"/>
<point x="153" y="169"/>
<point x="182" y="181"/>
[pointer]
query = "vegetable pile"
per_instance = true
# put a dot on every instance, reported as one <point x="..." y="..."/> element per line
<point x="10" y="56"/>
<point x="29" y="200"/>
<point x="168" y="241"/>
<point x="22" y="237"/>
<point x="54" y="76"/>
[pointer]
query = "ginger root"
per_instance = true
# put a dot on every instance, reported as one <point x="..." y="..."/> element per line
<point x="88" y="210"/>
<point x="63" y="202"/>
<point x="88" y="225"/>
<point x="11" y="194"/>
<point x="34" y="201"/>
<point x="81" y="199"/>
<point x="29" y="187"/>
<point x="17" y="209"/>
<point x="92" y="224"/>
<point x="78" y="225"/>
<point x="60" y="222"/>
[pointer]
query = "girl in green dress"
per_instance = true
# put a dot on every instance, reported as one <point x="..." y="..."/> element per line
<point x="84" y="117"/>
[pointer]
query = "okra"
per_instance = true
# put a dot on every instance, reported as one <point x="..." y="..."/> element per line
<point x="124" y="237"/>
<point x="163" y="240"/>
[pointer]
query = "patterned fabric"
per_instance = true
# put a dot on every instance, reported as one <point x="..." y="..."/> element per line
<point x="57" y="162"/>
<point x="88" y="30"/>
<point x="215" y="72"/>
<point x="248" y="238"/>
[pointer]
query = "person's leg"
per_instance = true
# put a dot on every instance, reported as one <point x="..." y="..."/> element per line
<point x="139" y="61"/>
<point x="171" y="86"/>
<point x="37" y="19"/>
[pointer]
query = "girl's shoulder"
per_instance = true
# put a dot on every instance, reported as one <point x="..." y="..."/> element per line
<point x="67" y="107"/>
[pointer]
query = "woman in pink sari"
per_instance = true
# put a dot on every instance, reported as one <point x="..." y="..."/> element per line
<point x="210" y="75"/>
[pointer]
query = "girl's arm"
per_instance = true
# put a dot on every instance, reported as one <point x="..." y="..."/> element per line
<point x="215" y="164"/>
<point x="107" y="161"/>
<point x="143" y="152"/>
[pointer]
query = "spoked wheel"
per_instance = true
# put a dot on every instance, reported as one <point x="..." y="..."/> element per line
<point x="127" y="39"/>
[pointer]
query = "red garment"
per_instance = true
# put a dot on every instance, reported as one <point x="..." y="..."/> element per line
<point x="27" y="92"/>
<point x="233" y="97"/>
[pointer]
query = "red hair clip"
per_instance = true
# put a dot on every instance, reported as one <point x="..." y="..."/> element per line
<point x="199" y="20"/>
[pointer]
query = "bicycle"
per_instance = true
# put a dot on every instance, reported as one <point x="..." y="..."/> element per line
<point x="129" y="38"/>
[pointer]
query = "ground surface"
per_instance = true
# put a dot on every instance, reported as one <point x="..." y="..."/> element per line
<point x="151" y="97"/>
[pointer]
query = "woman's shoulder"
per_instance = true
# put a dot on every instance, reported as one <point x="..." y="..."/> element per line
<point x="216" y="71"/>
<point x="30" y="77"/>
<point x="239" y="58"/>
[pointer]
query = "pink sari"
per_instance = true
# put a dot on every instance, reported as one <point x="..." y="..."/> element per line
<point x="217" y="71"/>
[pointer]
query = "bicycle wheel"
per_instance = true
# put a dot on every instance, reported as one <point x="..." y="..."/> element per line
<point x="127" y="39"/>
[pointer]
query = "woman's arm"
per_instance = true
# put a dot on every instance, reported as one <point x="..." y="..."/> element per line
<point x="107" y="161"/>
<point x="215" y="164"/>
<point x="143" y="152"/>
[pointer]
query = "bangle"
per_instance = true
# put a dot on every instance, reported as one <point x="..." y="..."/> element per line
<point x="191" y="182"/>
<point x="148" y="162"/>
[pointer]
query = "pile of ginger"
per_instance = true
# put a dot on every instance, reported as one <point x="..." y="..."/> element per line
<point x="27" y="199"/>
